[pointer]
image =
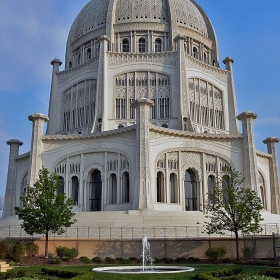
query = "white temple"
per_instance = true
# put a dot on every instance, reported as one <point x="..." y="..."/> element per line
<point x="143" y="118"/>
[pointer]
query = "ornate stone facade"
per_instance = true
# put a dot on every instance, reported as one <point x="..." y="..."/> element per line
<point x="142" y="119"/>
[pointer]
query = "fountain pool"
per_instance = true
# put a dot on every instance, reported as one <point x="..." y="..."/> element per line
<point x="146" y="257"/>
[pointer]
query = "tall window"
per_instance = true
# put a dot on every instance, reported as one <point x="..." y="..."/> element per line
<point x="125" y="45"/>
<point x="160" y="187"/>
<point x="61" y="187"/>
<point x="157" y="45"/>
<point x="75" y="190"/>
<point x="173" y="188"/>
<point x="113" y="189"/>
<point x="95" y="191"/>
<point x="190" y="186"/>
<point x="195" y="53"/>
<point x="211" y="184"/>
<point x="125" y="187"/>
<point x="142" y="45"/>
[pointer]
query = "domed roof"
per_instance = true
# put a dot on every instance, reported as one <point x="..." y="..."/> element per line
<point x="101" y="16"/>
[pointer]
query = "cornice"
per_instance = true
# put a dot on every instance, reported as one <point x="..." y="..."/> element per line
<point x="220" y="74"/>
<point x="23" y="156"/>
<point x="262" y="154"/>
<point x="102" y="134"/>
<point x="194" y="135"/>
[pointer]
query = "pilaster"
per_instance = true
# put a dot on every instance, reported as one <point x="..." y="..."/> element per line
<point x="10" y="194"/>
<point x="250" y="159"/>
<point x="274" y="173"/>
<point x="143" y="176"/>
<point x="35" y="162"/>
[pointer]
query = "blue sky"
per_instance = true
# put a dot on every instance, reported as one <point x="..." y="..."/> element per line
<point x="33" y="32"/>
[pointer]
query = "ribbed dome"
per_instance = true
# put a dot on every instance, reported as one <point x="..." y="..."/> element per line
<point x="100" y="17"/>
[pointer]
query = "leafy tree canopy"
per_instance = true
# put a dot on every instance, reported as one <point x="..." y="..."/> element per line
<point x="232" y="207"/>
<point x="44" y="208"/>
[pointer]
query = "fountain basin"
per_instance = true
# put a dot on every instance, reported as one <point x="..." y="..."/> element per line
<point x="139" y="269"/>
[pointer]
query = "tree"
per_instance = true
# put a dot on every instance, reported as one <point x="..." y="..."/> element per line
<point x="231" y="207"/>
<point x="44" y="209"/>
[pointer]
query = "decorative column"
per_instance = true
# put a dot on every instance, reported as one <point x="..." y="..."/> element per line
<point x="55" y="101"/>
<point x="143" y="176"/>
<point x="10" y="194"/>
<point x="250" y="159"/>
<point x="274" y="174"/>
<point x="232" y="108"/>
<point x="35" y="161"/>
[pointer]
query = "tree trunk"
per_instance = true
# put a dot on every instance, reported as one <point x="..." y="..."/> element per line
<point x="46" y="244"/>
<point x="237" y="244"/>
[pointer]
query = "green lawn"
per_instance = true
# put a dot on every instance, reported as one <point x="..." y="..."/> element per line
<point x="106" y="276"/>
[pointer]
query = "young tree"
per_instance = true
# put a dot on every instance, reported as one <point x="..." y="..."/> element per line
<point x="231" y="207"/>
<point x="44" y="209"/>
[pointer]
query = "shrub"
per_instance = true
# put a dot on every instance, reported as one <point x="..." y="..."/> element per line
<point x="213" y="253"/>
<point x="55" y="260"/>
<point x="60" y="273"/>
<point x="272" y="273"/>
<point x="84" y="259"/>
<point x="31" y="249"/>
<point x="86" y="276"/>
<point x="67" y="253"/>
<point x="10" y="244"/>
<point x="109" y="260"/>
<point x="97" y="260"/>
<point x="167" y="260"/>
<point x="248" y="252"/>
<point x="226" y="272"/>
<point x="226" y="260"/>
<point x="204" y="276"/>
<point x="18" y="252"/>
<point x="181" y="260"/>
<point x="123" y="261"/>
<point x="3" y="249"/>
<point x="193" y="260"/>
<point x="257" y="277"/>
<point x="157" y="260"/>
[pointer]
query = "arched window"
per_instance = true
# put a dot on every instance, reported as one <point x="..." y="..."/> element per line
<point x="142" y="45"/>
<point x="125" y="45"/>
<point x="158" y="45"/>
<point x="262" y="190"/>
<point x="89" y="53"/>
<point x="125" y="187"/>
<point x="160" y="187"/>
<point x="211" y="184"/>
<point x="190" y="186"/>
<point x="95" y="191"/>
<point x="75" y="190"/>
<point x="195" y="53"/>
<point x="79" y="59"/>
<point x="173" y="188"/>
<point x="70" y="64"/>
<point x="113" y="189"/>
<point x="205" y="57"/>
<point x="214" y="62"/>
<point x="61" y="187"/>
<point x="120" y="126"/>
<point x="165" y="125"/>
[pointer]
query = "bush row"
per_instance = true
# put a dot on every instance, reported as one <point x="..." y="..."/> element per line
<point x="218" y="273"/>
<point x="68" y="274"/>
<point x="270" y="263"/>
<point x="17" y="250"/>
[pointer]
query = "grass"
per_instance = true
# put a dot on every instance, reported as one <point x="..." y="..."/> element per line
<point x="36" y="270"/>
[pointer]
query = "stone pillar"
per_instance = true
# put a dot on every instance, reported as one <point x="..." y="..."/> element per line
<point x="10" y="194"/>
<point x="35" y="161"/>
<point x="274" y="174"/>
<point x="232" y="108"/>
<point x="249" y="150"/>
<point x="143" y="176"/>
<point x="55" y="101"/>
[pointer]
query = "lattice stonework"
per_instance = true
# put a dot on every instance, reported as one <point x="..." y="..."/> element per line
<point x="206" y="104"/>
<point x="78" y="105"/>
<point x="152" y="85"/>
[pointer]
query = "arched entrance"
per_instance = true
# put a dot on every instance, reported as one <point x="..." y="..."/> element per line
<point x="190" y="186"/>
<point x="95" y="191"/>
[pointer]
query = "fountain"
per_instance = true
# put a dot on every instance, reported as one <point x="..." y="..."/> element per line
<point x="146" y="257"/>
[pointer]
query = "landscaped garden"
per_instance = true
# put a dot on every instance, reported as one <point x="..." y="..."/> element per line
<point x="65" y="265"/>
